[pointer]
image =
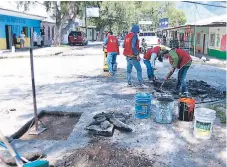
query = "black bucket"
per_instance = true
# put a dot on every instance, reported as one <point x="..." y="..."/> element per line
<point x="186" y="109"/>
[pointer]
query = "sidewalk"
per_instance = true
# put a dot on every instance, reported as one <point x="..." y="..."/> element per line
<point x="202" y="58"/>
<point x="48" y="51"/>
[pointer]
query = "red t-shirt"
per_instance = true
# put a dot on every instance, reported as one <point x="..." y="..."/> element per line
<point x="149" y="52"/>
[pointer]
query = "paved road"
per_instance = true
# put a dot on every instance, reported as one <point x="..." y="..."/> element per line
<point x="76" y="83"/>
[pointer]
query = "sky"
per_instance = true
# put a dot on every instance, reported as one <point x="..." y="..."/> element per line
<point x="202" y="11"/>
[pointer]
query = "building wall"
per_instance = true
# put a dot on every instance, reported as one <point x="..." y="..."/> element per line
<point x="217" y="42"/>
<point x="91" y="34"/>
<point x="200" y="31"/>
<point x="49" y="32"/>
<point x="17" y="24"/>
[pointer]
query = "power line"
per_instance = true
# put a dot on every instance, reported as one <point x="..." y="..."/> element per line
<point x="218" y="6"/>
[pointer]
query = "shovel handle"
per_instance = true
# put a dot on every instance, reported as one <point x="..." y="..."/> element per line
<point x="10" y="149"/>
<point x="162" y="84"/>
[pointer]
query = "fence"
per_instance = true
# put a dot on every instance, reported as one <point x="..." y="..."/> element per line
<point x="186" y="45"/>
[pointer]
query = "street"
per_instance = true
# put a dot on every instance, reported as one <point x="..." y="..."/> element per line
<point x="74" y="81"/>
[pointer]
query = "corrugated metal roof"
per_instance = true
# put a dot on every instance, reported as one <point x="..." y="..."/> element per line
<point x="207" y="21"/>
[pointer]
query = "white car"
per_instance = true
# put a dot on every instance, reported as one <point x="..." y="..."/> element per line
<point x="150" y="39"/>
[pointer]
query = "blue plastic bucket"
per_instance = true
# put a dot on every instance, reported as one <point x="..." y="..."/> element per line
<point x="164" y="110"/>
<point x="143" y="105"/>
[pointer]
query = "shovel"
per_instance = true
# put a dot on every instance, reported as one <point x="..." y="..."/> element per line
<point x="160" y="89"/>
<point x="37" y="163"/>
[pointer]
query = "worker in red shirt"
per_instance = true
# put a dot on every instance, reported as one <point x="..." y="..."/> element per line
<point x="112" y="47"/>
<point x="181" y="60"/>
<point x="149" y="60"/>
<point x="131" y="52"/>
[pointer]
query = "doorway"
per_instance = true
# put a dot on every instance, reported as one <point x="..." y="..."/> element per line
<point x="205" y="43"/>
<point x="9" y="36"/>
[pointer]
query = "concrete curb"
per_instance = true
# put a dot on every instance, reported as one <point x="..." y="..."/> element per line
<point x="59" y="53"/>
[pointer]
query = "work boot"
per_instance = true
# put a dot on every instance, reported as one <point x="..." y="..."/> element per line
<point x="111" y="74"/>
<point x="153" y="79"/>
<point x="129" y="84"/>
<point x="143" y="86"/>
<point x="185" y="94"/>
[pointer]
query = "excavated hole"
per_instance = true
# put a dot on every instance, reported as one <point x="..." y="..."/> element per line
<point x="59" y="126"/>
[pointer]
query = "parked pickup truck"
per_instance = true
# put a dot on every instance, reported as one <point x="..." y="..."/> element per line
<point x="150" y="39"/>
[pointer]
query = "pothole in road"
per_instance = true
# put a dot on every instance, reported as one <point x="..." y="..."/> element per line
<point x="201" y="91"/>
<point x="59" y="126"/>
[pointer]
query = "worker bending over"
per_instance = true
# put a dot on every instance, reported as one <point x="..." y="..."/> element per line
<point x="149" y="60"/>
<point x="181" y="60"/>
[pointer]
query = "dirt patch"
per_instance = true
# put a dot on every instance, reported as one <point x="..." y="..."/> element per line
<point x="59" y="127"/>
<point x="101" y="154"/>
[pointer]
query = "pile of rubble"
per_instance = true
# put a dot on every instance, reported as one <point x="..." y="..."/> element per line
<point x="103" y="124"/>
<point x="199" y="90"/>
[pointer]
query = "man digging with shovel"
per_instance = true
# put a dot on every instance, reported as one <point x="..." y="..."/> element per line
<point x="149" y="60"/>
<point x="181" y="60"/>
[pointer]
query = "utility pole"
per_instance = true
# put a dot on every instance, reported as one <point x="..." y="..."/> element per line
<point x="85" y="17"/>
<point x="195" y="31"/>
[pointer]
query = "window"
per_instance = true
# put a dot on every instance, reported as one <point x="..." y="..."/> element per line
<point x="53" y="32"/>
<point x="48" y="33"/>
<point x="75" y="33"/>
<point x="25" y="30"/>
<point x="198" y="38"/>
<point x="212" y="39"/>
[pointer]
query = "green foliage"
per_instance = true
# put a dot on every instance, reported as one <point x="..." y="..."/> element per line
<point x="114" y="15"/>
<point x="120" y="15"/>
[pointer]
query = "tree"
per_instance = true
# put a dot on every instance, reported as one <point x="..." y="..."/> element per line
<point x="176" y="17"/>
<point x="111" y="14"/>
<point x="153" y="11"/>
<point x="64" y="12"/>
<point x="114" y="15"/>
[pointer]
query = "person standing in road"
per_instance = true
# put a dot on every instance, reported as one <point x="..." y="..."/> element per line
<point x="181" y="60"/>
<point x="131" y="51"/>
<point x="112" y="47"/>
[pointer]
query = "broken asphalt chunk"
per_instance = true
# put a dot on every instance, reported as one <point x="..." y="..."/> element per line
<point x="104" y="125"/>
<point x="120" y="125"/>
<point x="96" y="130"/>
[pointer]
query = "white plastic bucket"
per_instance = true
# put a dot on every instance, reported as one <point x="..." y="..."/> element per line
<point x="13" y="49"/>
<point x="203" y="123"/>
